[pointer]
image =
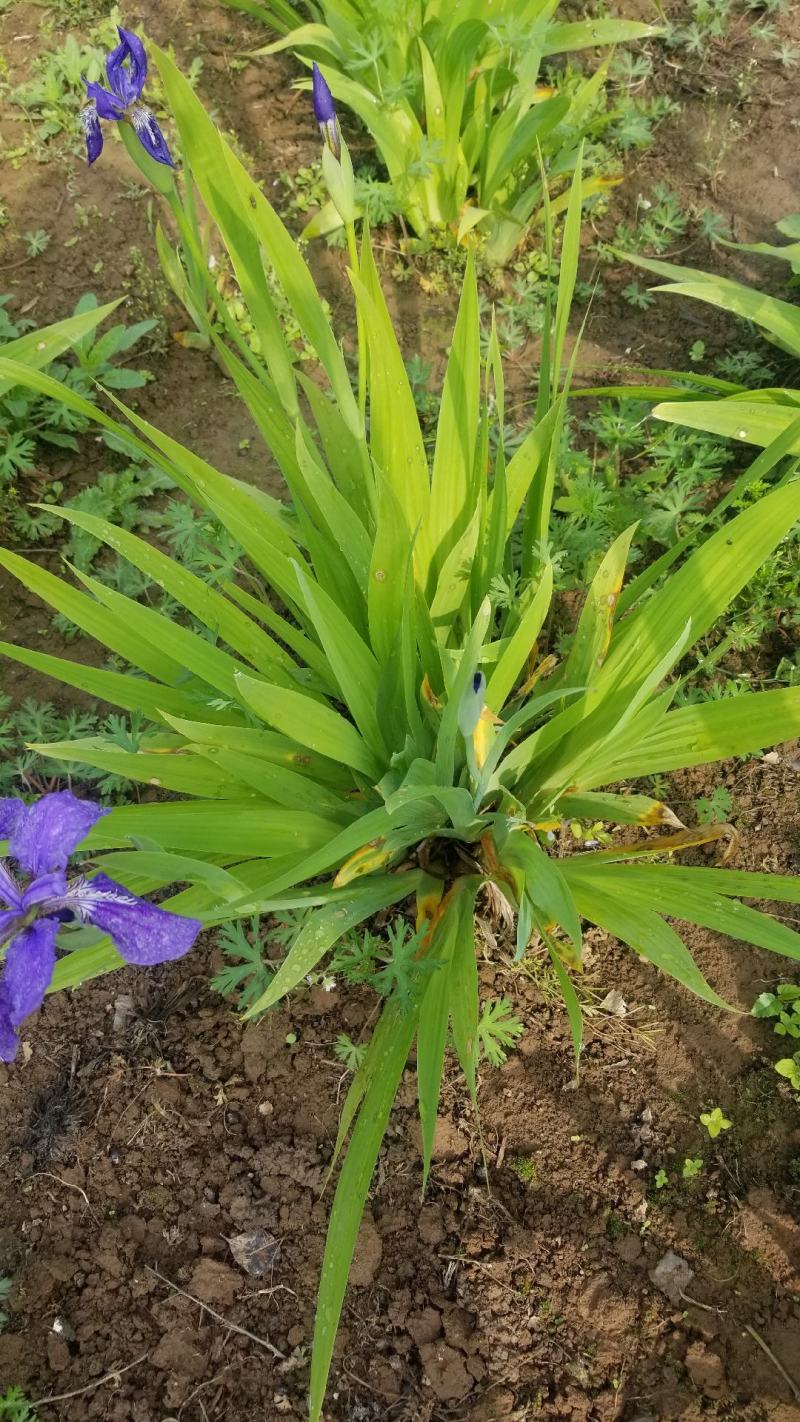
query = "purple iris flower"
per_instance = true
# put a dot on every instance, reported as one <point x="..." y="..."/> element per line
<point x="325" y="112"/>
<point x="41" y="837"/>
<point x="126" y="68"/>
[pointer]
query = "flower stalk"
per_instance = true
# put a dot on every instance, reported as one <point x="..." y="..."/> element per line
<point x="337" y="169"/>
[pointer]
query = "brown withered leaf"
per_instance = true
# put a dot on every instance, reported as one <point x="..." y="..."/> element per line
<point x="257" y="1253"/>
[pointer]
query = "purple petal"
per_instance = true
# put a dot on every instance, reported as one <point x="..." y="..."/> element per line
<point x="47" y="886"/>
<point x="28" y="968"/>
<point x="10" y="811"/>
<point x="9" y="1040"/>
<point x="44" y="838"/>
<point x="324" y="109"/>
<point x="107" y="106"/>
<point x="10" y="892"/>
<point x="127" y="82"/>
<point x="143" y="933"/>
<point x="150" y="136"/>
<point x="93" y="133"/>
<point x="7" y="919"/>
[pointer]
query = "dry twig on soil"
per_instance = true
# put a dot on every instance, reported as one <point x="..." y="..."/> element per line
<point x="234" y="1327"/>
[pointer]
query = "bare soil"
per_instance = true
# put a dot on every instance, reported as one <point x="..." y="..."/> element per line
<point x="145" y="1129"/>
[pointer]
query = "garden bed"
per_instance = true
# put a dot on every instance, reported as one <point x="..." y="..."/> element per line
<point x="144" y="1129"/>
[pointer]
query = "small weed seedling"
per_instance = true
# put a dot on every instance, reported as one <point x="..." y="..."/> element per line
<point x="29" y="421"/>
<point x="15" y="1407"/>
<point x="36" y="242"/>
<point x="714" y="808"/>
<point x="23" y="769"/>
<point x="790" y="1068"/>
<point x="498" y="1030"/>
<point x="783" y="1006"/>
<point x="524" y="1167"/>
<point x="637" y="295"/>
<point x="350" y="1052"/>
<point x="715" y="1122"/>
<point x="247" y="972"/>
<point x="693" y="1165"/>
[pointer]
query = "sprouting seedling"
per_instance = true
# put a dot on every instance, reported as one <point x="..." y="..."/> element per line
<point x="784" y="1005"/>
<point x="790" y="1068"/>
<point x="715" y="1122"/>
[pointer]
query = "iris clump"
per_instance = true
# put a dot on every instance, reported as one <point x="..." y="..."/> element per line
<point x="41" y="837"/>
<point x="126" y="70"/>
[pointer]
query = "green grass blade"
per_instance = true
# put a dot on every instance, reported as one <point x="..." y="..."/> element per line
<point x="778" y="318"/>
<point x="278" y="784"/>
<point x="100" y="622"/>
<point x="701" y="590"/>
<point x="655" y="886"/>
<point x="353" y="665"/>
<point x="215" y="167"/>
<point x="351" y="1193"/>
<point x="432" y="1031"/>
<point x="132" y="693"/>
<point x="267" y="746"/>
<point x="244" y="828"/>
<point x="752" y="421"/>
<point x="520" y="644"/>
<point x="643" y="930"/>
<point x="545" y="884"/>
<point x="572" y="1004"/>
<point x="698" y="735"/>
<point x="396" y="438"/>
<point x="39" y="348"/>
<point x="174" y="768"/>
<point x="457" y="429"/>
<point x="589" y="33"/>
<point x="317" y="726"/>
<point x="206" y="604"/>
<point x="593" y="634"/>
<point x="391" y="552"/>
<point x="464" y="990"/>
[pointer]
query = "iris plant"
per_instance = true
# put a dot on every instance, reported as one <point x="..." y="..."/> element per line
<point x="126" y="69"/>
<point x="41" y="838"/>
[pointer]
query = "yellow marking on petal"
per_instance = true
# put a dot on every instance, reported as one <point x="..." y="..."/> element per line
<point x="371" y="856"/>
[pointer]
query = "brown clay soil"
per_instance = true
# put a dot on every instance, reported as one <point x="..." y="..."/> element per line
<point x="144" y="1129"/>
